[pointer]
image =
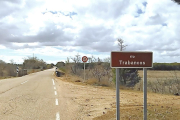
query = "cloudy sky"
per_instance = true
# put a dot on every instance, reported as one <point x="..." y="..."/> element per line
<point x="56" y="29"/>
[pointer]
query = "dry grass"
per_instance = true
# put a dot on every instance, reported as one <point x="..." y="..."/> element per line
<point x="162" y="75"/>
<point x="1" y="78"/>
<point x="160" y="107"/>
<point x="165" y="82"/>
<point x="29" y="71"/>
<point x="89" y="77"/>
<point x="91" y="81"/>
<point x="96" y="76"/>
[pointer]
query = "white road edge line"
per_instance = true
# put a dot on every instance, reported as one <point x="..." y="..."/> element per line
<point x="57" y="116"/>
<point x="53" y="81"/>
<point x="56" y="101"/>
<point x="54" y="87"/>
<point x="55" y="92"/>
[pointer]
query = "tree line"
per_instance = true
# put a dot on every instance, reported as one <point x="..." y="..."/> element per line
<point x="165" y="66"/>
<point x="29" y="63"/>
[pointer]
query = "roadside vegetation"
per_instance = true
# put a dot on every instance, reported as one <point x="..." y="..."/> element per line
<point x="162" y="85"/>
<point x="33" y="64"/>
<point x="30" y="65"/>
<point x="99" y="72"/>
<point x="7" y="70"/>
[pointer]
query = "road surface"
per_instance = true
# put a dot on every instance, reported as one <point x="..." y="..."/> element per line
<point x="42" y="96"/>
<point x="31" y="97"/>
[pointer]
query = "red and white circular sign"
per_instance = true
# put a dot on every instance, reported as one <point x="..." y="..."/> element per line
<point x="84" y="59"/>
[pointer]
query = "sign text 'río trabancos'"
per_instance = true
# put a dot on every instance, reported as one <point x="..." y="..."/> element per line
<point x="131" y="59"/>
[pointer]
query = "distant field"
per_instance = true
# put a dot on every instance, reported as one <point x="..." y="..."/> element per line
<point x="161" y="75"/>
<point x="165" y="82"/>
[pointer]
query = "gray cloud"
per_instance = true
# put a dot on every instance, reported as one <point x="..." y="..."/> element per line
<point x="22" y="47"/>
<point x="12" y="31"/>
<point x="6" y="9"/>
<point x="96" y="37"/>
<point x="13" y="7"/>
<point x="49" y="36"/>
<point x="156" y="19"/>
<point x="148" y="34"/>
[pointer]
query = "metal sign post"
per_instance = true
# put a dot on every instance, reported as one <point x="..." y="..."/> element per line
<point x="145" y="92"/>
<point x="84" y="59"/>
<point x="84" y="70"/>
<point x="117" y="95"/>
<point x="131" y="60"/>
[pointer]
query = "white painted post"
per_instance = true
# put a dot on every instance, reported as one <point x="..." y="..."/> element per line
<point x="117" y="95"/>
<point x="17" y="70"/>
<point x="56" y="71"/>
<point x="145" y="92"/>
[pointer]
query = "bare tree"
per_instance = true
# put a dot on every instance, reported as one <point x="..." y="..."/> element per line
<point x="121" y="44"/>
<point x="12" y="61"/>
<point x="107" y="68"/>
<point x="97" y="72"/>
<point x="67" y="61"/>
<point x="92" y="60"/>
<point x="76" y="60"/>
<point x="127" y="75"/>
<point x="121" y="71"/>
<point x="108" y="60"/>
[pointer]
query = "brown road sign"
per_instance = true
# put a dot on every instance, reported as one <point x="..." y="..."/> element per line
<point x="131" y="59"/>
<point x="84" y="59"/>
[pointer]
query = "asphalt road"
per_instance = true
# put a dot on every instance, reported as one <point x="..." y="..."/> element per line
<point x="31" y="97"/>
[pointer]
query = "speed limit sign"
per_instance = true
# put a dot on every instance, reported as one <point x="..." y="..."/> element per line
<point x="84" y="59"/>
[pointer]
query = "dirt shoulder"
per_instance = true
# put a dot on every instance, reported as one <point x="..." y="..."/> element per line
<point x="86" y="102"/>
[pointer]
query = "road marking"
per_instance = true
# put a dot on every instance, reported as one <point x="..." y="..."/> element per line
<point x="24" y="82"/>
<point x="55" y="92"/>
<point x="57" y="116"/>
<point x="56" y="101"/>
<point x="53" y="81"/>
